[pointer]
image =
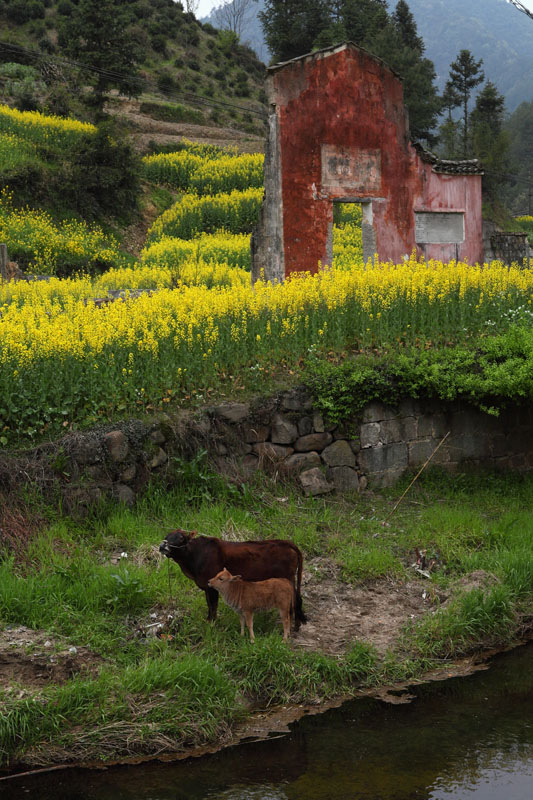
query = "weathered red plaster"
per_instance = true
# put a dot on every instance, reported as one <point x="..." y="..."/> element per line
<point x="343" y="135"/>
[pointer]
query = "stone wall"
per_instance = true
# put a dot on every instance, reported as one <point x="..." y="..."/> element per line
<point x="284" y="436"/>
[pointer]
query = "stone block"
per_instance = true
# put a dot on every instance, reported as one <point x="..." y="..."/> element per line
<point x="87" y="450"/>
<point x="157" y="436"/>
<point x="318" y="422"/>
<point x="339" y="454"/>
<point x="465" y="422"/>
<point x="376" y="412"/>
<point x="129" y="474"/>
<point x="313" y="441"/>
<point x="498" y="446"/>
<point x="314" y="482"/>
<point x="420" y="451"/>
<point x="116" y="445"/>
<point x="124" y="494"/>
<point x="355" y="444"/>
<point x="344" y="479"/>
<point x="298" y="462"/>
<point x="253" y="433"/>
<point x="305" y="426"/>
<point x="390" y="430"/>
<point x="283" y="430"/>
<point x="370" y="435"/>
<point x="158" y="459"/>
<point x="232" y="412"/>
<point x="386" y="457"/>
<point x="297" y="400"/>
<point x="271" y="451"/>
<point x="469" y="447"/>
<point x="386" y="479"/>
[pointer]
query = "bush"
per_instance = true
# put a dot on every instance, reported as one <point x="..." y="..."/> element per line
<point x="102" y="176"/>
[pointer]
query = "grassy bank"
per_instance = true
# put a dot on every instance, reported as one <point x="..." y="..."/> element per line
<point x="97" y="585"/>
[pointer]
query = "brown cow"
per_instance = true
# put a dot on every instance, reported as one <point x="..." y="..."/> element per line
<point x="245" y="597"/>
<point x="203" y="557"/>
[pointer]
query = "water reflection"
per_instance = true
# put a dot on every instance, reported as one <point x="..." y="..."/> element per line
<point x="465" y="738"/>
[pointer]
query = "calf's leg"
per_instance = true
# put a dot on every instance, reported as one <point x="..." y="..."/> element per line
<point x="285" y="616"/>
<point x="249" y="616"/>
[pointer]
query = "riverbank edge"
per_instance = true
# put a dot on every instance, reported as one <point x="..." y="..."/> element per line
<point x="267" y="723"/>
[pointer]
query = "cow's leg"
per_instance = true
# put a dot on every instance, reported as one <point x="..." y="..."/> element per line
<point x="285" y="616"/>
<point x="249" y="615"/>
<point x="241" y="617"/>
<point x="211" y="595"/>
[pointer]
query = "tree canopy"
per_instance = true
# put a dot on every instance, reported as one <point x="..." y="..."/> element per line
<point x="295" y="27"/>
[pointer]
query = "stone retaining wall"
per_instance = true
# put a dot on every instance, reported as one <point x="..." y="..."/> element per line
<point x="287" y="437"/>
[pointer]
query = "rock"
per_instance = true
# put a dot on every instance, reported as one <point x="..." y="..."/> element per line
<point x="339" y="454"/>
<point x="128" y="474"/>
<point x="370" y="434"/>
<point x="301" y="461"/>
<point x="124" y="494"/>
<point x="313" y="441"/>
<point x="296" y="400"/>
<point x="363" y="483"/>
<point x="305" y="425"/>
<point x="116" y="445"/>
<point x="344" y="478"/>
<point x="314" y="482"/>
<point x="318" y="422"/>
<point x="253" y="433"/>
<point x="283" y="430"/>
<point x="271" y="451"/>
<point x="86" y="450"/>
<point x="232" y="412"/>
<point x="158" y="459"/>
<point x="157" y="436"/>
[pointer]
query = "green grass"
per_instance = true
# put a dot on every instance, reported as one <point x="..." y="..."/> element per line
<point x="155" y="694"/>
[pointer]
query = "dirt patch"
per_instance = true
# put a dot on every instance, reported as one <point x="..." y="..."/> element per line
<point x="339" y="613"/>
<point x="32" y="659"/>
<point x="145" y="129"/>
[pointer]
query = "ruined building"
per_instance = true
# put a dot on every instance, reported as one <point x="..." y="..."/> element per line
<point x="338" y="132"/>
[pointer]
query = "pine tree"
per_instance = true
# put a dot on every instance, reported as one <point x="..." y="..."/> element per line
<point x="96" y="35"/>
<point x="405" y="25"/>
<point x="490" y="142"/>
<point x="465" y="75"/>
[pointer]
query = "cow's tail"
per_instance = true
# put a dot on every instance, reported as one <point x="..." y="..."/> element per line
<point x="299" y="616"/>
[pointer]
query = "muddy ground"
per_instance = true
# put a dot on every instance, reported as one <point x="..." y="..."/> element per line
<point x="338" y="613"/>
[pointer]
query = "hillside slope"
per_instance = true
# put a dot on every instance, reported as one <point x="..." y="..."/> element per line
<point x="217" y="80"/>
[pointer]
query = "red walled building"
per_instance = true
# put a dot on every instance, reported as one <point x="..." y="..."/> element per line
<point x="339" y="132"/>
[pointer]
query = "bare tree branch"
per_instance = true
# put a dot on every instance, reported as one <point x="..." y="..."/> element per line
<point x="234" y="15"/>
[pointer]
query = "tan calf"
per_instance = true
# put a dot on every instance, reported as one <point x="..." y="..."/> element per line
<point x="245" y="597"/>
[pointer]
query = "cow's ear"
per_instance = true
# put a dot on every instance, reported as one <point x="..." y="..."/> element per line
<point x="235" y="578"/>
<point x="192" y="534"/>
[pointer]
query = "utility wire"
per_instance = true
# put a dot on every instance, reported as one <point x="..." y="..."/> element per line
<point x="128" y="80"/>
<point x="521" y="7"/>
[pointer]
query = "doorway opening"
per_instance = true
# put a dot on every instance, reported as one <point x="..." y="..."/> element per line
<point x="350" y="248"/>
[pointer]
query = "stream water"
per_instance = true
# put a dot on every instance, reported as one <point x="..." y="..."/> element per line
<point x="465" y="738"/>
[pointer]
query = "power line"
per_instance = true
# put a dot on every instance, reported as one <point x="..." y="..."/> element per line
<point x="129" y="80"/>
<point x="521" y="7"/>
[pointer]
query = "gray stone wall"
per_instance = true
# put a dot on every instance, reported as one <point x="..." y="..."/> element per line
<point x="286" y="437"/>
<point x="379" y="446"/>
